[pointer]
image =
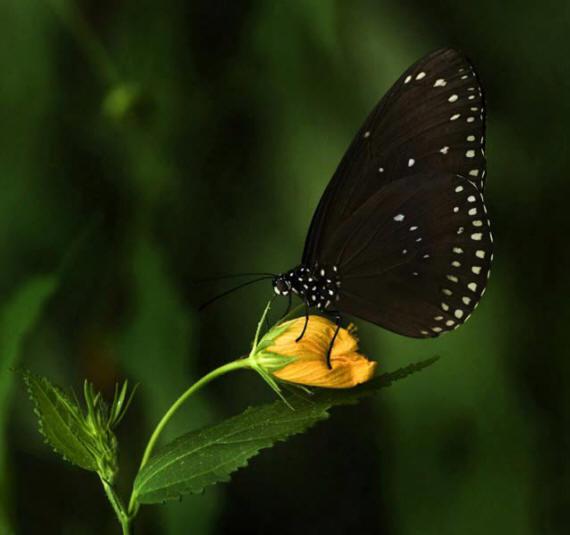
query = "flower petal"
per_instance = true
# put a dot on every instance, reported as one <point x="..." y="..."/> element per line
<point x="347" y="371"/>
<point x="309" y="366"/>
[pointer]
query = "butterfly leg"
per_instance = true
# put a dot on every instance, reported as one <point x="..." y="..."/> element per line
<point x="338" y="319"/>
<point x="306" y="323"/>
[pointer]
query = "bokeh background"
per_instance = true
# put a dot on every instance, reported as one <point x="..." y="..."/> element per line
<point x="146" y="144"/>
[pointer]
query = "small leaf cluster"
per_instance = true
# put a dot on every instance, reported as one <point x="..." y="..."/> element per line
<point x="82" y="437"/>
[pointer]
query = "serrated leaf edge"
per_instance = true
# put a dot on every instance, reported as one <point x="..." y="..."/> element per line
<point x="268" y="442"/>
<point x="27" y="377"/>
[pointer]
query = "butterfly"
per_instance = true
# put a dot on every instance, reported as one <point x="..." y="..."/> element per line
<point x="401" y="236"/>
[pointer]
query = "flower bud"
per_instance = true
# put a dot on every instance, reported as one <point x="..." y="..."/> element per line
<point x="305" y="362"/>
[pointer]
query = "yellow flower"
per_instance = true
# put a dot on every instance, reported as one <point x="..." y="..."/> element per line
<point x="304" y="362"/>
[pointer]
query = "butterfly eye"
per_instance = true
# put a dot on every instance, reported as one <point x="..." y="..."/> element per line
<point x="281" y="286"/>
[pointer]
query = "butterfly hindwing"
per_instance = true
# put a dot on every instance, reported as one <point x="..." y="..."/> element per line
<point x="416" y="256"/>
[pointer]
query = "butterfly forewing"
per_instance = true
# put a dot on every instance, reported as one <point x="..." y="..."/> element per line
<point x="415" y="257"/>
<point x="431" y="121"/>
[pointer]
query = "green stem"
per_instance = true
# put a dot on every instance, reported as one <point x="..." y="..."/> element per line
<point x="226" y="368"/>
<point x="73" y="19"/>
<point x="117" y="505"/>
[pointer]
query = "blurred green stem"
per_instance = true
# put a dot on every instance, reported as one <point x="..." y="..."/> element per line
<point x="75" y="22"/>
<point x="222" y="370"/>
<point x="122" y="515"/>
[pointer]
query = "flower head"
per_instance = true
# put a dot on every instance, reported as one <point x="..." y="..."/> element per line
<point x="309" y="367"/>
<point x="305" y="362"/>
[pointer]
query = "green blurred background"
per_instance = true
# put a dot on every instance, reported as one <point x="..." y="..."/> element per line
<point x="144" y="144"/>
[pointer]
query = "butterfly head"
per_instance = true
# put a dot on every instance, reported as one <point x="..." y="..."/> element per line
<point x="281" y="285"/>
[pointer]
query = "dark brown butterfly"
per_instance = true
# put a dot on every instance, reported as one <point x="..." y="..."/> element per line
<point x="401" y="236"/>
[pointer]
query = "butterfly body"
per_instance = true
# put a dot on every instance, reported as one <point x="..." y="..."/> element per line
<point x="318" y="286"/>
<point x="401" y="236"/>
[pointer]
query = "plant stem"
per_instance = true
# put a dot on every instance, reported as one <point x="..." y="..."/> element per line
<point x="76" y="23"/>
<point x="122" y="515"/>
<point x="226" y="368"/>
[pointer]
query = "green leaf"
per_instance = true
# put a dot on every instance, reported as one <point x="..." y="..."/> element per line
<point x="61" y="422"/>
<point x="208" y="456"/>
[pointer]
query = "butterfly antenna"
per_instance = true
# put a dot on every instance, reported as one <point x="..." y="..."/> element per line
<point x="227" y="292"/>
<point x="232" y="276"/>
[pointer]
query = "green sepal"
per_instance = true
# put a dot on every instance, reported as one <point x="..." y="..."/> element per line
<point x="271" y="362"/>
<point x="270" y="336"/>
<point x="268" y="378"/>
<point x="259" y="327"/>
